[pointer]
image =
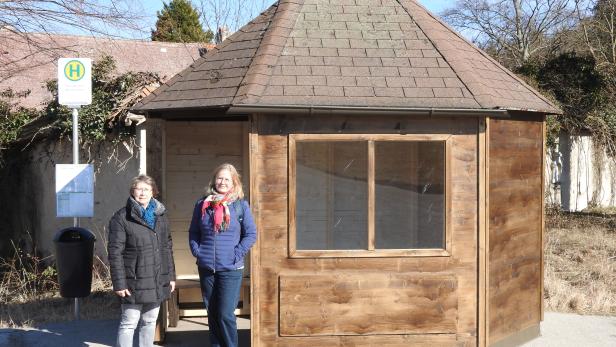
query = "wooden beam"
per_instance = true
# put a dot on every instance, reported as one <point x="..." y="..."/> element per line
<point x="255" y="278"/>
<point x="329" y="200"/>
<point x="371" y="137"/>
<point x="482" y="246"/>
<point x="163" y="158"/>
<point x="487" y="232"/>
<point x="364" y="253"/>
<point x="543" y="162"/>
<point x="371" y="197"/>
<point x="292" y="196"/>
<point x="154" y="152"/>
<point x="448" y="201"/>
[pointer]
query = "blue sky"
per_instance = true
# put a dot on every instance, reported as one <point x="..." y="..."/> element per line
<point x="436" y="5"/>
<point x="151" y="6"/>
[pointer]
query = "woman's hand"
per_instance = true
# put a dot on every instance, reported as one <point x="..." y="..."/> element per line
<point x="122" y="293"/>
<point x="172" y="285"/>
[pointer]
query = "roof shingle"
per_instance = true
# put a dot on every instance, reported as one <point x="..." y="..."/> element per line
<point x="377" y="53"/>
<point x="27" y="66"/>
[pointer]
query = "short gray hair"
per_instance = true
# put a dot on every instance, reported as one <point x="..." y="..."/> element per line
<point x="144" y="179"/>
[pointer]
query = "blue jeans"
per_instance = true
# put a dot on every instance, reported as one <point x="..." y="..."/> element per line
<point x="131" y="314"/>
<point x="221" y="294"/>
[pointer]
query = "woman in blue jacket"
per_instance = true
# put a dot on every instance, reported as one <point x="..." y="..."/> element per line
<point x="221" y="232"/>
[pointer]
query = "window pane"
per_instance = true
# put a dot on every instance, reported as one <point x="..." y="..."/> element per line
<point x="410" y="199"/>
<point x="332" y="193"/>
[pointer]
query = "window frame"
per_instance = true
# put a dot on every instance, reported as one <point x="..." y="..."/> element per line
<point x="446" y="139"/>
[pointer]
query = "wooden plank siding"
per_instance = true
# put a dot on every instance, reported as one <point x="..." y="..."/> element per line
<point x="255" y="262"/>
<point x="193" y="151"/>
<point x="334" y="304"/>
<point x="543" y="163"/>
<point x="155" y="153"/>
<point x="280" y="276"/>
<point x="515" y="223"/>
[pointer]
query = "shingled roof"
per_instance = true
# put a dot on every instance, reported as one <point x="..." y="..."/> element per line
<point x="346" y="53"/>
<point x="26" y="63"/>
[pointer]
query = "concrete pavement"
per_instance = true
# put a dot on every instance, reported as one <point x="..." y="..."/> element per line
<point x="101" y="333"/>
<point x="558" y="330"/>
<point x="572" y="330"/>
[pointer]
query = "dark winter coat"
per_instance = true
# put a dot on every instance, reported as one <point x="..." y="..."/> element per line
<point x="140" y="258"/>
<point x="224" y="250"/>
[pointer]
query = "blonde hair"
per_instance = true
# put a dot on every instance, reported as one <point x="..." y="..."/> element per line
<point x="238" y="191"/>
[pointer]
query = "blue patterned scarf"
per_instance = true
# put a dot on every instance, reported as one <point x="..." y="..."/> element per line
<point x="148" y="214"/>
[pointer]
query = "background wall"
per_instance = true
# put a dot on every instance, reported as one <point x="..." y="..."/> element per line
<point x="29" y="200"/>
<point x="579" y="175"/>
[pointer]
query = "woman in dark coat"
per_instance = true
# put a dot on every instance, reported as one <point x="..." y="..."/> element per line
<point x="141" y="261"/>
<point x="221" y="233"/>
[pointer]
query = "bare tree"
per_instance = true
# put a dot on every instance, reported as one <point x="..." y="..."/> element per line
<point x="598" y="38"/>
<point x="27" y="27"/>
<point x="598" y="24"/>
<point x="230" y="14"/>
<point x="515" y="29"/>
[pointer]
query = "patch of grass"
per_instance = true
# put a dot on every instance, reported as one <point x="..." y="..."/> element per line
<point x="602" y="210"/>
<point x="99" y="305"/>
<point x="29" y="293"/>
<point x="580" y="263"/>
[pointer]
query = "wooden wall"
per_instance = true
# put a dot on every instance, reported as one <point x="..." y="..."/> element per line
<point x="515" y="225"/>
<point x="193" y="151"/>
<point x="389" y="301"/>
<point x="155" y="152"/>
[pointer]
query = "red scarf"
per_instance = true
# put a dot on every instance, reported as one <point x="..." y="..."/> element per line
<point x="222" y="216"/>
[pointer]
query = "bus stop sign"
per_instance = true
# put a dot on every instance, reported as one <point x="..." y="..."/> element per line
<point x="74" y="81"/>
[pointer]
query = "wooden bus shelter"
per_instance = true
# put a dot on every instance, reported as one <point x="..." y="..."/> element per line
<point x="394" y="169"/>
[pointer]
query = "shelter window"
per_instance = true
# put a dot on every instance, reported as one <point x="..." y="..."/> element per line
<point x="368" y="195"/>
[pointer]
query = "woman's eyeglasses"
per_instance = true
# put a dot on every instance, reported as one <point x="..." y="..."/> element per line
<point x="144" y="190"/>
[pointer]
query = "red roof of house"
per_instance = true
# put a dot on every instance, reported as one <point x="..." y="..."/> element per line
<point x="372" y="53"/>
<point x="26" y="64"/>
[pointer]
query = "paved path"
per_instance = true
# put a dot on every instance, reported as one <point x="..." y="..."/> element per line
<point x="101" y="333"/>
<point x="558" y="330"/>
<point x="571" y="330"/>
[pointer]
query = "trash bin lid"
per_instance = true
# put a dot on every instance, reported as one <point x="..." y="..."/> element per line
<point x="74" y="234"/>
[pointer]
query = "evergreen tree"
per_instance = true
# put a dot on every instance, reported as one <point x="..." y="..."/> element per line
<point x="179" y="22"/>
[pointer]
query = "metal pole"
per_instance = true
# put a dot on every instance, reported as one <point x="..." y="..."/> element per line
<point x="75" y="148"/>
<point x="76" y="161"/>
<point x="76" y="308"/>
<point x="75" y="136"/>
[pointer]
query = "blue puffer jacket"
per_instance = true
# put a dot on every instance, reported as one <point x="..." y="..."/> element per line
<point x="224" y="250"/>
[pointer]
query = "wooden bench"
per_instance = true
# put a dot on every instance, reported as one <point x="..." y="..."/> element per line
<point x="161" y="324"/>
<point x="177" y="309"/>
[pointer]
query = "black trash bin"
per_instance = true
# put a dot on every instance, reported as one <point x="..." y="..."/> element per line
<point x="74" y="256"/>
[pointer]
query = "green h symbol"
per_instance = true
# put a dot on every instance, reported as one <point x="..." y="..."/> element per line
<point x="74" y="70"/>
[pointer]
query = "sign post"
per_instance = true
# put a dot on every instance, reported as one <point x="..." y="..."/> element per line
<point x="75" y="90"/>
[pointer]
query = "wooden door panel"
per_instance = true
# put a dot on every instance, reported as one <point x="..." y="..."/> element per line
<point x="422" y="340"/>
<point x="368" y="303"/>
